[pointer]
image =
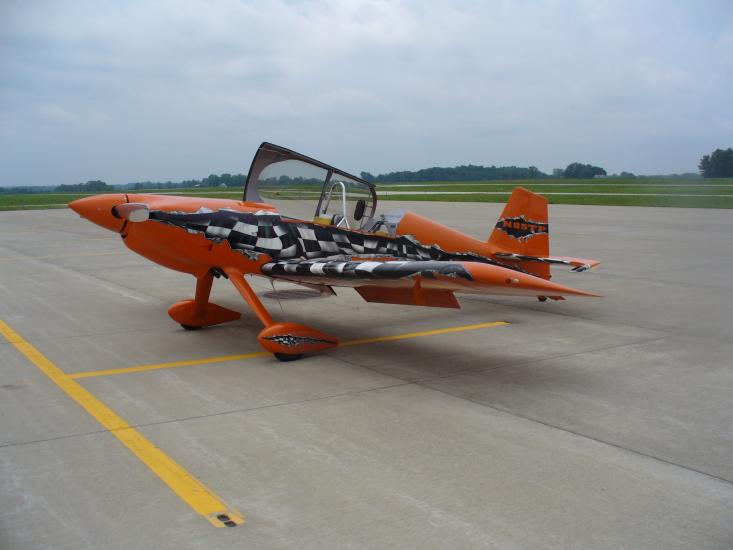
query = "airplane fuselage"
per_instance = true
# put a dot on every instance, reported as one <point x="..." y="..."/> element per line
<point x="402" y="258"/>
<point x="196" y="235"/>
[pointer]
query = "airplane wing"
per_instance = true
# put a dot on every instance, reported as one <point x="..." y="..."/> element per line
<point x="430" y="283"/>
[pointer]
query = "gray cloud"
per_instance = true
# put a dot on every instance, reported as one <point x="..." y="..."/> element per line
<point x="125" y="91"/>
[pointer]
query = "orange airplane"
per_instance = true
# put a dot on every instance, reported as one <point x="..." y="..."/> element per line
<point x="330" y="237"/>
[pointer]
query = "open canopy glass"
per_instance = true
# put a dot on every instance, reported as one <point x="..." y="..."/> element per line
<point x="305" y="188"/>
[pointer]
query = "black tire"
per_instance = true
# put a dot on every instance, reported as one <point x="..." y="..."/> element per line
<point x="542" y="298"/>
<point x="191" y="327"/>
<point x="285" y="357"/>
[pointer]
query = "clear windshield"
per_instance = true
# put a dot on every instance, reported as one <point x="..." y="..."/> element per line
<point x="305" y="188"/>
<point x="293" y="187"/>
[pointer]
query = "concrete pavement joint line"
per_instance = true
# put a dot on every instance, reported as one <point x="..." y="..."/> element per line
<point x="537" y="309"/>
<point x="423" y="381"/>
<point x="578" y="434"/>
<point x="505" y="364"/>
<point x="391" y="386"/>
<point x="111" y="332"/>
<point x="546" y="358"/>
<point x="220" y="413"/>
<point x="224" y="358"/>
<point x="662" y="280"/>
<point x="57" y="256"/>
<point x="181" y="482"/>
<point x="98" y="280"/>
<point x="57" y="438"/>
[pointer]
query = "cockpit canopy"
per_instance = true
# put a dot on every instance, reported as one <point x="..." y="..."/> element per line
<point x="304" y="188"/>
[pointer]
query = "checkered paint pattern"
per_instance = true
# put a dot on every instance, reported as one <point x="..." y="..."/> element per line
<point x="250" y="233"/>
<point x="285" y="239"/>
<point x="365" y="270"/>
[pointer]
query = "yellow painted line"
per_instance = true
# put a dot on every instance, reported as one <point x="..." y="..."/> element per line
<point x="224" y="358"/>
<point x="170" y="365"/>
<point x="194" y="493"/>
<point x="421" y="334"/>
<point x="85" y="255"/>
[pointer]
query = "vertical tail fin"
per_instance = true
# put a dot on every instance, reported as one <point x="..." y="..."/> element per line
<point x="523" y="229"/>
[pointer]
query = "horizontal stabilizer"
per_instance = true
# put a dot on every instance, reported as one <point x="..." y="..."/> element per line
<point x="578" y="265"/>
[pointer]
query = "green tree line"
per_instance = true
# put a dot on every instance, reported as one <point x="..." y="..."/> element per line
<point x="458" y="173"/>
<point x="213" y="180"/>
<point x="95" y="186"/>
<point x="578" y="170"/>
<point x="718" y="164"/>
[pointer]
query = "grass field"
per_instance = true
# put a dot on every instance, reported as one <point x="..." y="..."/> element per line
<point x="717" y="193"/>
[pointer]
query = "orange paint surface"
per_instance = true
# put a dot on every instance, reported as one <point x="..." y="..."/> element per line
<point x="519" y="241"/>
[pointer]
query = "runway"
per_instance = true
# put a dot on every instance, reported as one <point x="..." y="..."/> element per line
<point x="510" y="423"/>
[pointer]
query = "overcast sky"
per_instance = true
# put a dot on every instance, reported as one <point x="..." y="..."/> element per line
<point x="126" y="91"/>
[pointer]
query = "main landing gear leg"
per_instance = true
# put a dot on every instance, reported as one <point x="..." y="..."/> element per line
<point x="199" y="312"/>
<point x="286" y="341"/>
<point x="203" y="291"/>
<point x="251" y="298"/>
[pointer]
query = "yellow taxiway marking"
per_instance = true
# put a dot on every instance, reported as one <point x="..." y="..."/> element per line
<point x="224" y="358"/>
<point x="84" y="255"/>
<point x="421" y="334"/>
<point x="194" y="493"/>
<point x="170" y="365"/>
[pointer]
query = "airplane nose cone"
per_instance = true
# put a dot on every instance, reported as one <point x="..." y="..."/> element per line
<point x="98" y="209"/>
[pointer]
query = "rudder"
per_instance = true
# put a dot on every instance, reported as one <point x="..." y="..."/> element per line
<point x="523" y="228"/>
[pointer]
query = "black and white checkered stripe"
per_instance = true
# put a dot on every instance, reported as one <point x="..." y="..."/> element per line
<point x="268" y="233"/>
<point x="261" y="232"/>
<point x="365" y="270"/>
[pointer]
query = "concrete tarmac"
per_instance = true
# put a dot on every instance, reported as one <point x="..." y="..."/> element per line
<point x="588" y="423"/>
